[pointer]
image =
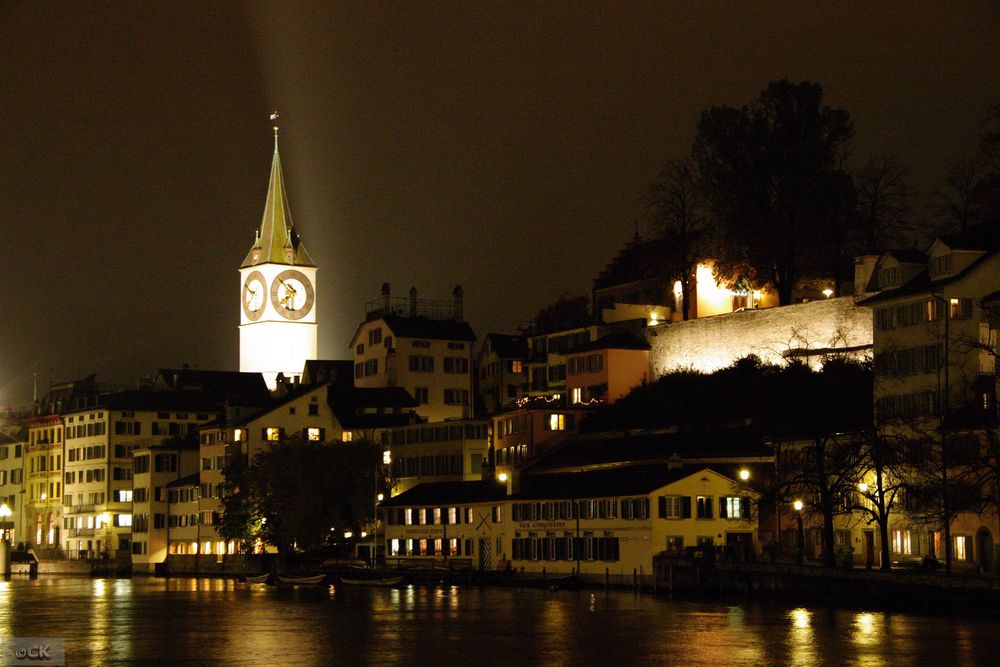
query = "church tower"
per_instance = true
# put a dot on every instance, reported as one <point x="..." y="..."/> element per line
<point x="278" y="329"/>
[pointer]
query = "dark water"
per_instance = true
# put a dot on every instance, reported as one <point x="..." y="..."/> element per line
<point x="188" y="621"/>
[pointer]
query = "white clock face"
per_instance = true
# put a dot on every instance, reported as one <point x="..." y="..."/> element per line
<point x="292" y="294"/>
<point x="254" y="294"/>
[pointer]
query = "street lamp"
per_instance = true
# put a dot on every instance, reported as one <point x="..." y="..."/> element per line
<point x="862" y="487"/>
<point x="800" y="554"/>
<point x="502" y="477"/>
<point x="744" y="474"/>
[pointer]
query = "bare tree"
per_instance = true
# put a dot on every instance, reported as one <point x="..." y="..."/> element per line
<point x="677" y="206"/>
<point x="883" y="205"/>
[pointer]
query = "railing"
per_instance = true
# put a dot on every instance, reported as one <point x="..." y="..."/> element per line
<point x="78" y="509"/>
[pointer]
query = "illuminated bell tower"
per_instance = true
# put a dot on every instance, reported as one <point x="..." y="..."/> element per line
<point x="278" y="329"/>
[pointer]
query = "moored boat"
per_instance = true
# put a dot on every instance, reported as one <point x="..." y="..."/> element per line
<point x="387" y="581"/>
<point x="256" y="578"/>
<point x="302" y="581"/>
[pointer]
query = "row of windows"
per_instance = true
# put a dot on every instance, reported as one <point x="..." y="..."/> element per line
<point x="6" y="451"/>
<point x="679" y="507"/>
<point x="456" y="365"/>
<point x="439" y="433"/>
<point x="565" y="547"/>
<point x="86" y="453"/>
<point x="45" y="436"/>
<point x="924" y="359"/>
<point x="92" y="498"/>
<point x="907" y="406"/>
<point x="437" y="516"/>
<point x="511" y="366"/>
<point x="593" y="363"/>
<point x="440" y="464"/>
<point x="515" y="424"/>
<point x="44" y="463"/>
<point x="366" y="368"/>
<point x="85" y="430"/>
<point x="456" y="396"/>
<point x="89" y="475"/>
<point x="15" y="477"/>
<point x="161" y="463"/>
<point x="917" y="312"/>
<point x="185" y="495"/>
<point x="439" y="547"/>
<point x="213" y="462"/>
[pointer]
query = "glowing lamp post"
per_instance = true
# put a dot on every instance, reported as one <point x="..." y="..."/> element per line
<point x="744" y="474"/>
<point x="800" y="554"/>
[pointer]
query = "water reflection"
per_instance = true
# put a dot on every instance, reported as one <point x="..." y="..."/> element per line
<point x="143" y="621"/>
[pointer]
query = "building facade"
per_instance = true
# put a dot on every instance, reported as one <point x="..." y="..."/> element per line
<point x="422" y="346"/>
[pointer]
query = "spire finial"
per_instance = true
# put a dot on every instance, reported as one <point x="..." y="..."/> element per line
<point x="274" y="123"/>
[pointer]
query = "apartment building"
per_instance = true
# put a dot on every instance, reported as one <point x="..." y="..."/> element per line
<point x="422" y="346"/>
<point x="501" y="365"/>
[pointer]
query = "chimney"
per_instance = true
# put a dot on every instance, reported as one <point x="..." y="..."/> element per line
<point x="413" y="302"/>
<point x="457" y="295"/>
<point x="864" y="267"/>
<point x="386" y="298"/>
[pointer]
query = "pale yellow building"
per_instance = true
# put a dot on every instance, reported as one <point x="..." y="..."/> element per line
<point x="422" y="346"/>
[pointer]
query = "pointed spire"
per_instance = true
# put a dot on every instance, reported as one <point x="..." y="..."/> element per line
<point x="277" y="241"/>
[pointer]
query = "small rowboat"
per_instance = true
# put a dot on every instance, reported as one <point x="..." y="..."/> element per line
<point x="257" y="578"/>
<point x="302" y="581"/>
<point x="389" y="581"/>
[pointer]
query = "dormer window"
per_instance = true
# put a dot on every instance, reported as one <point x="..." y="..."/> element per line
<point x="888" y="277"/>
<point x="940" y="265"/>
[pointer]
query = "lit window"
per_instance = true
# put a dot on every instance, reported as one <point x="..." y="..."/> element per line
<point x="125" y="496"/>
<point x="516" y="366"/>
<point x="348" y="436"/>
<point x="577" y="395"/>
<point x="961" y="547"/>
<point x="314" y="434"/>
<point x="386" y="458"/>
<point x="124" y="520"/>
<point x="557" y="422"/>
<point x="273" y="435"/>
<point x="901" y="542"/>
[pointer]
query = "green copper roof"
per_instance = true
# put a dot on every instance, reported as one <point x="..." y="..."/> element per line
<point x="276" y="241"/>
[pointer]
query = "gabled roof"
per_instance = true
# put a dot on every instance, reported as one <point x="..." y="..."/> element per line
<point x="636" y="481"/>
<point x="425" y="327"/>
<point x="612" y="482"/>
<point x="319" y="371"/>
<point x="448" y="493"/>
<point x="277" y="241"/>
<point x="348" y="404"/>
<point x="629" y="449"/>
<point x="235" y="387"/>
<point x="144" y="399"/>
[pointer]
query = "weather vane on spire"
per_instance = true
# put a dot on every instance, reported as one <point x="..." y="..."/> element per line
<point x="274" y="123"/>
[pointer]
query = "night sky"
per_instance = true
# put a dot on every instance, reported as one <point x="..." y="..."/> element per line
<point x="501" y="146"/>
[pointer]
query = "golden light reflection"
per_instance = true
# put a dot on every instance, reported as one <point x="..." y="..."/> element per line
<point x="801" y="643"/>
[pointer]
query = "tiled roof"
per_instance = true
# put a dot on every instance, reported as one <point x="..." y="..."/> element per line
<point x="425" y="327"/>
<point x="448" y="493"/>
<point x="650" y="446"/>
<point x="235" y="387"/>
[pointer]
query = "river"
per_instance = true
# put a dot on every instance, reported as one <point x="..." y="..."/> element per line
<point x="145" y="621"/>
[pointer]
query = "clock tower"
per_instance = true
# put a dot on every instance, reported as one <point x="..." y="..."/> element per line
<point x="277" y="291"/>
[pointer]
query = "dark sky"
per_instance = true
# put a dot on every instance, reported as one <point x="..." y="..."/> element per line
<point x="501" y="146"/>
